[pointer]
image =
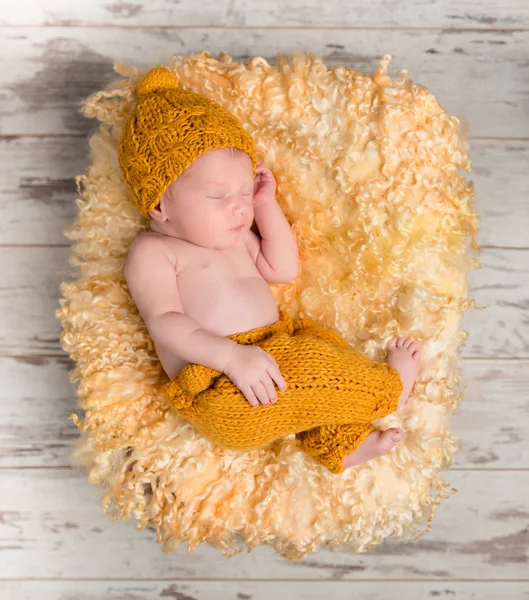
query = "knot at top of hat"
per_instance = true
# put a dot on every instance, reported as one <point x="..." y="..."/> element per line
<point x="159" y="79"/>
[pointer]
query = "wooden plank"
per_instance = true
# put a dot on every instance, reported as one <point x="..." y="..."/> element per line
<point x="261" y="590"/>
<point x="39" y="194"/>
<point x="482" y="77"/>
<point x="479" y="532"/>
<point x="37" y="398"/>
<point x="30" y="296"/>
<point x="502" y="329"/>
<point x="489" y="14"/>
<point x="491" y="421"/>
<point x="499" y="171"/>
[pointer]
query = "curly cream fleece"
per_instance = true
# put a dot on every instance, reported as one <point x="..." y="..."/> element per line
<point x="367" y="172"/>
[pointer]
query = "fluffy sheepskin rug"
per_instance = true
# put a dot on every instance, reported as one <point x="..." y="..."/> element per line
<point x="367" y="172"/>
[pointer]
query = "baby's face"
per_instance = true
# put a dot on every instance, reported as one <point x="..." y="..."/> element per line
<point x="211" y="197"/>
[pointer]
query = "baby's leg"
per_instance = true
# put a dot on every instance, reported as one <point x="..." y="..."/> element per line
<point x="404" y="356"/>
<point x="376" y="444"/>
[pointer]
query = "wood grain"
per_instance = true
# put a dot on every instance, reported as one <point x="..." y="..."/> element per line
<point x="39" y="194"/>
<point x="30" y="294"/>
<point x="55" y="542"/>
<point x="260" y="590"/>
<point x="37" y="399"/>
<point x="479" y="532"/>
<point x="489" y="14"/>
<point x="501" y="330"/>
<point x="482" y="77"/>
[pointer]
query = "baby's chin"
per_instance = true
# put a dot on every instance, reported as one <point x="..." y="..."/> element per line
<point x="229" y="240"/>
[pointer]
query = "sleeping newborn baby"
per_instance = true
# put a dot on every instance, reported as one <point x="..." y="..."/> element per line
<point x="200" y="279"/>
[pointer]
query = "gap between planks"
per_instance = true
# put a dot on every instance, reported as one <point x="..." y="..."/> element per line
<point x="269" y="27"/>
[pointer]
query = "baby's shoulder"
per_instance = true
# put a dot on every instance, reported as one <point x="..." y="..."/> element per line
<point x="146" y="242"/>
<point x="156" y="245"/>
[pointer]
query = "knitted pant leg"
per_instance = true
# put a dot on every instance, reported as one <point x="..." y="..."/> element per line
<point x="330" y="444"/>
<point x="328" y="383"/>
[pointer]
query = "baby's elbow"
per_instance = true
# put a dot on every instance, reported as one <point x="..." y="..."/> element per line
<point x="293" y="273"/>
<point x="286" y="278"/>
<point x="292" y="277"/>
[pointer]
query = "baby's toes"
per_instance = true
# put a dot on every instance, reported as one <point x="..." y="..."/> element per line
<point x="388" y="438"/>
<point x="407" y="343"/>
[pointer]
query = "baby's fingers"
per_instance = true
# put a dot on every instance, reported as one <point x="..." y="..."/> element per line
<point x="276" y="376"/>
<point x="270" y="389"/>
<point x="249" y="394"/>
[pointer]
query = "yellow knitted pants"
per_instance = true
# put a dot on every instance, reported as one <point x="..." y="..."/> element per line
<point x="333" y="393"/>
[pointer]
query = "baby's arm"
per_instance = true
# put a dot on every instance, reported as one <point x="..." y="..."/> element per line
<point x="278" y="247"/>
<point x="151" y="276"/>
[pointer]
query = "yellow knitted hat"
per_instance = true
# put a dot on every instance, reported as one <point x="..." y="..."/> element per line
<point x="169" y="128"/>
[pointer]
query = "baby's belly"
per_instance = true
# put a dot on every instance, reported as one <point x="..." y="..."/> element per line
<point x="247" y="303"/>
<point x="244" y="304"/>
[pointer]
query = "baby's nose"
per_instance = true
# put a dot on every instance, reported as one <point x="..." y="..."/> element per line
<point x="239" y="205"/>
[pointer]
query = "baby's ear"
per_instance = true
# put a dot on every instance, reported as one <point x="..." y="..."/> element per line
<point x="156" y="213"/>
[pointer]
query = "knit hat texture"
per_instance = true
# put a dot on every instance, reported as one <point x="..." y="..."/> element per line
<point x="170" y="128"/>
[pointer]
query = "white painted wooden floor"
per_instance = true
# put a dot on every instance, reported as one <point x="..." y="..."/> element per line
<point x="55" y="542"/>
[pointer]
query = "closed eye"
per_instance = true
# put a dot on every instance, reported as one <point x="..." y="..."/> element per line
<point x="221" y="197"/>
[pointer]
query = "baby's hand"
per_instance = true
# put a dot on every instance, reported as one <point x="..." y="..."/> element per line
<point x="264" y="186"/>
<point x="254" y="371"/>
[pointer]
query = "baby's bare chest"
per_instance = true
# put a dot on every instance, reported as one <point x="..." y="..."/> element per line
<point x="214" y="275"/>
<point x="224" y="291"/>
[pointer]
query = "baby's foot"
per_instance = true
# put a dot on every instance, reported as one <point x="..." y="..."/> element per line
<point x="405" y="356"/>
<point x="376" y="444"/>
